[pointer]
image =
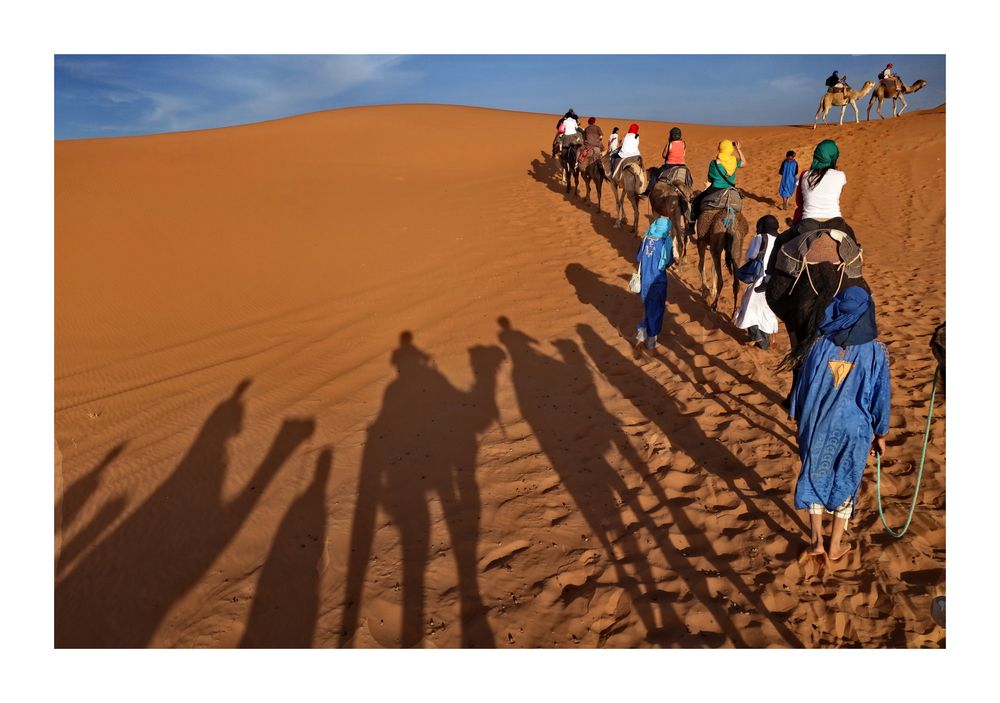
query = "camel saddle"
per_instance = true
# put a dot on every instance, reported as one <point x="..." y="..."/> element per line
<point x="677" y="174"/>
<point x="891" y="87"/>
<point x="633" y="164"/>
<point x="817" y="242"/>
<point x="723" y="200"/>
<point x="587" y="155"/>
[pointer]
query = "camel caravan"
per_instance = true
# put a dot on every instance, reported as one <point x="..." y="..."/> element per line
<point x="791" y="276"/>
<point x="889" y="87"/>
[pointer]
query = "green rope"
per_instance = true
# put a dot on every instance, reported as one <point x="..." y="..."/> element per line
<point x="920" y="471"/>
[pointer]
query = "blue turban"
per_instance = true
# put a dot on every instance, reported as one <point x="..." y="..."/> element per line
<point x="850" y="318"/>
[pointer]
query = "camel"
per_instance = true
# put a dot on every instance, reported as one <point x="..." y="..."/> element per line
<point x="416" y="456"/>
<point x="594" y="172"/>
<point x="723" y="234"/>
<point x="570" y="172"/>
<point x="627" y="186"/>
<point x="800" y="306"/>
<point x="848" y="96"/>
<point x="894" y="92"/>
<point x="665" y="200"/>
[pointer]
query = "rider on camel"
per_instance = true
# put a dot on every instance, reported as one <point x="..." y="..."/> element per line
<point x="836" y="83"/>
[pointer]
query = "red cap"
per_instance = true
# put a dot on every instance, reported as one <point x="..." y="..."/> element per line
<point x="633" y="129"/>
<point x="592" y="120"/>
<point x="890" y="66"/>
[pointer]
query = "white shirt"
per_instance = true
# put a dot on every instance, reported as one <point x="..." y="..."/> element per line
<point x="569" y="125"/>
<point x="887" y="73"/>
<point x="613" y="141"/>
<point x="823" y="201"/>
<point x="753" y="308"/>
<point x="630" y="146"/>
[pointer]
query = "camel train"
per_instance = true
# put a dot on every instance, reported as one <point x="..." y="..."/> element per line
<point x="887" y="89"/>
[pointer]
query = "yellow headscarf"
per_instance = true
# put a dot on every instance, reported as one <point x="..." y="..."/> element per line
<point x="726" y="156"/>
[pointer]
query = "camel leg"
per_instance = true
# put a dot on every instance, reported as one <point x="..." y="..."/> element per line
<point x="635" y="211"/>
<point x="586" y="182"/>
<point x="880" y="115"/>
<point x="717" y="286"/>
<point x="868" y="112"/>
<point x="600" y="185"/>
<point x="618" y="206"/>
<point x="857" y="116"/>
<point x="902" y="100"/>
<point x="701" y="266"/>
<point x="843" y="109"/>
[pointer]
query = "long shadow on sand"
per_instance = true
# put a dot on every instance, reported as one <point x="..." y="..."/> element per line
<point x="423" y="445"/>
<point x="286" y="600"/>
<point x="622" y="310"/>
<point x="616" y="300"/>
<point x="121" y="590"/>
<point x="624" y="242"/>
<point x="559" y="400"/>
<point x="685" y="434"/>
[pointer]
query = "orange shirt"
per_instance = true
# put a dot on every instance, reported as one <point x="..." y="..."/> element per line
<point x="675" y="152"/>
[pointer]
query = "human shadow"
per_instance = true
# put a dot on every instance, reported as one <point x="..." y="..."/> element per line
<point x="80" y="491"/>
<point x="286" y="601"/>
<point x="764" y="200"/>
<point x="423" y="445"/>
<point x="621" y="308"/>
<point x="122" y="589"/>
<point x="685" y="434"/>
<point x="559" y="400"/>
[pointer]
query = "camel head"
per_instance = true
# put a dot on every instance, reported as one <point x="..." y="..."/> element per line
<point x="916" y="86"/>
<point x="865" y="88"/>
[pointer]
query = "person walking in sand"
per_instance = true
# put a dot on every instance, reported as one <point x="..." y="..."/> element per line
<point x="656" y="253"/>
<point x="789" y="172"/>
<point x="841" y="404"/>
<point x="819" y="187"/>
<point x="754" y="315"/>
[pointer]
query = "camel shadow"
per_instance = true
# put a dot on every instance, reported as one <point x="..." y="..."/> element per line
<point x="559" y="401"/>
<point x="423" y="446"/>
<point x="546" y="172"/>
<point x="286" y="600"/>
<point x="684" y="433"/>
<point x="119" y="593"/>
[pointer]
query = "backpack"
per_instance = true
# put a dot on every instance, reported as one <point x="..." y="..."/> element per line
<point x="753" y="269"/>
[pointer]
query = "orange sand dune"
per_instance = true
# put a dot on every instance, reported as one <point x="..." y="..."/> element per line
<point x="287" y="414"/>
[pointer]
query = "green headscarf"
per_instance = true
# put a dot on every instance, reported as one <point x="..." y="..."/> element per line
<point x="825" y="154"/>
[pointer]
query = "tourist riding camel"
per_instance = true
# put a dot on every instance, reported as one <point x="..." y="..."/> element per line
<point x="592" y="143"/>
<point x="570" y="126"/>
<point x="721" y="173"/>
<point x="836" y="83"/>
<point x="819" y="189"/>
<point x="628" y="153"/>
<point x="841" y="95"/>
<point x="613" y="140"/>
<point x="674" y="155"/>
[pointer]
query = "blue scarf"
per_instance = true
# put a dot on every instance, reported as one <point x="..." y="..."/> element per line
<point x="849" y="320"/>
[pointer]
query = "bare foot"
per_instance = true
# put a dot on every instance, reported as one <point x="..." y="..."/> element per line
<point x="816" y="548"/>
<point x="839" y="553"/>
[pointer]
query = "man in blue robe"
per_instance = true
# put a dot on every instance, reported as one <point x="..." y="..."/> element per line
<point x="841" y="404"/>
<point x="656" y="253"/>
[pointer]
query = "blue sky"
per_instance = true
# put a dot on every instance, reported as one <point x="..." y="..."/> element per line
<point x="118" y="95"/>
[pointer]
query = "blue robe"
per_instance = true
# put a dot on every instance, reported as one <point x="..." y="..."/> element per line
<point x="656" y="253"/>
<point x="789" y="169"/>
<point x="841" y="399"/>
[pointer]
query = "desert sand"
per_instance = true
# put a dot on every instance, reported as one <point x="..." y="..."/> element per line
<point x="362" y="378"/>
